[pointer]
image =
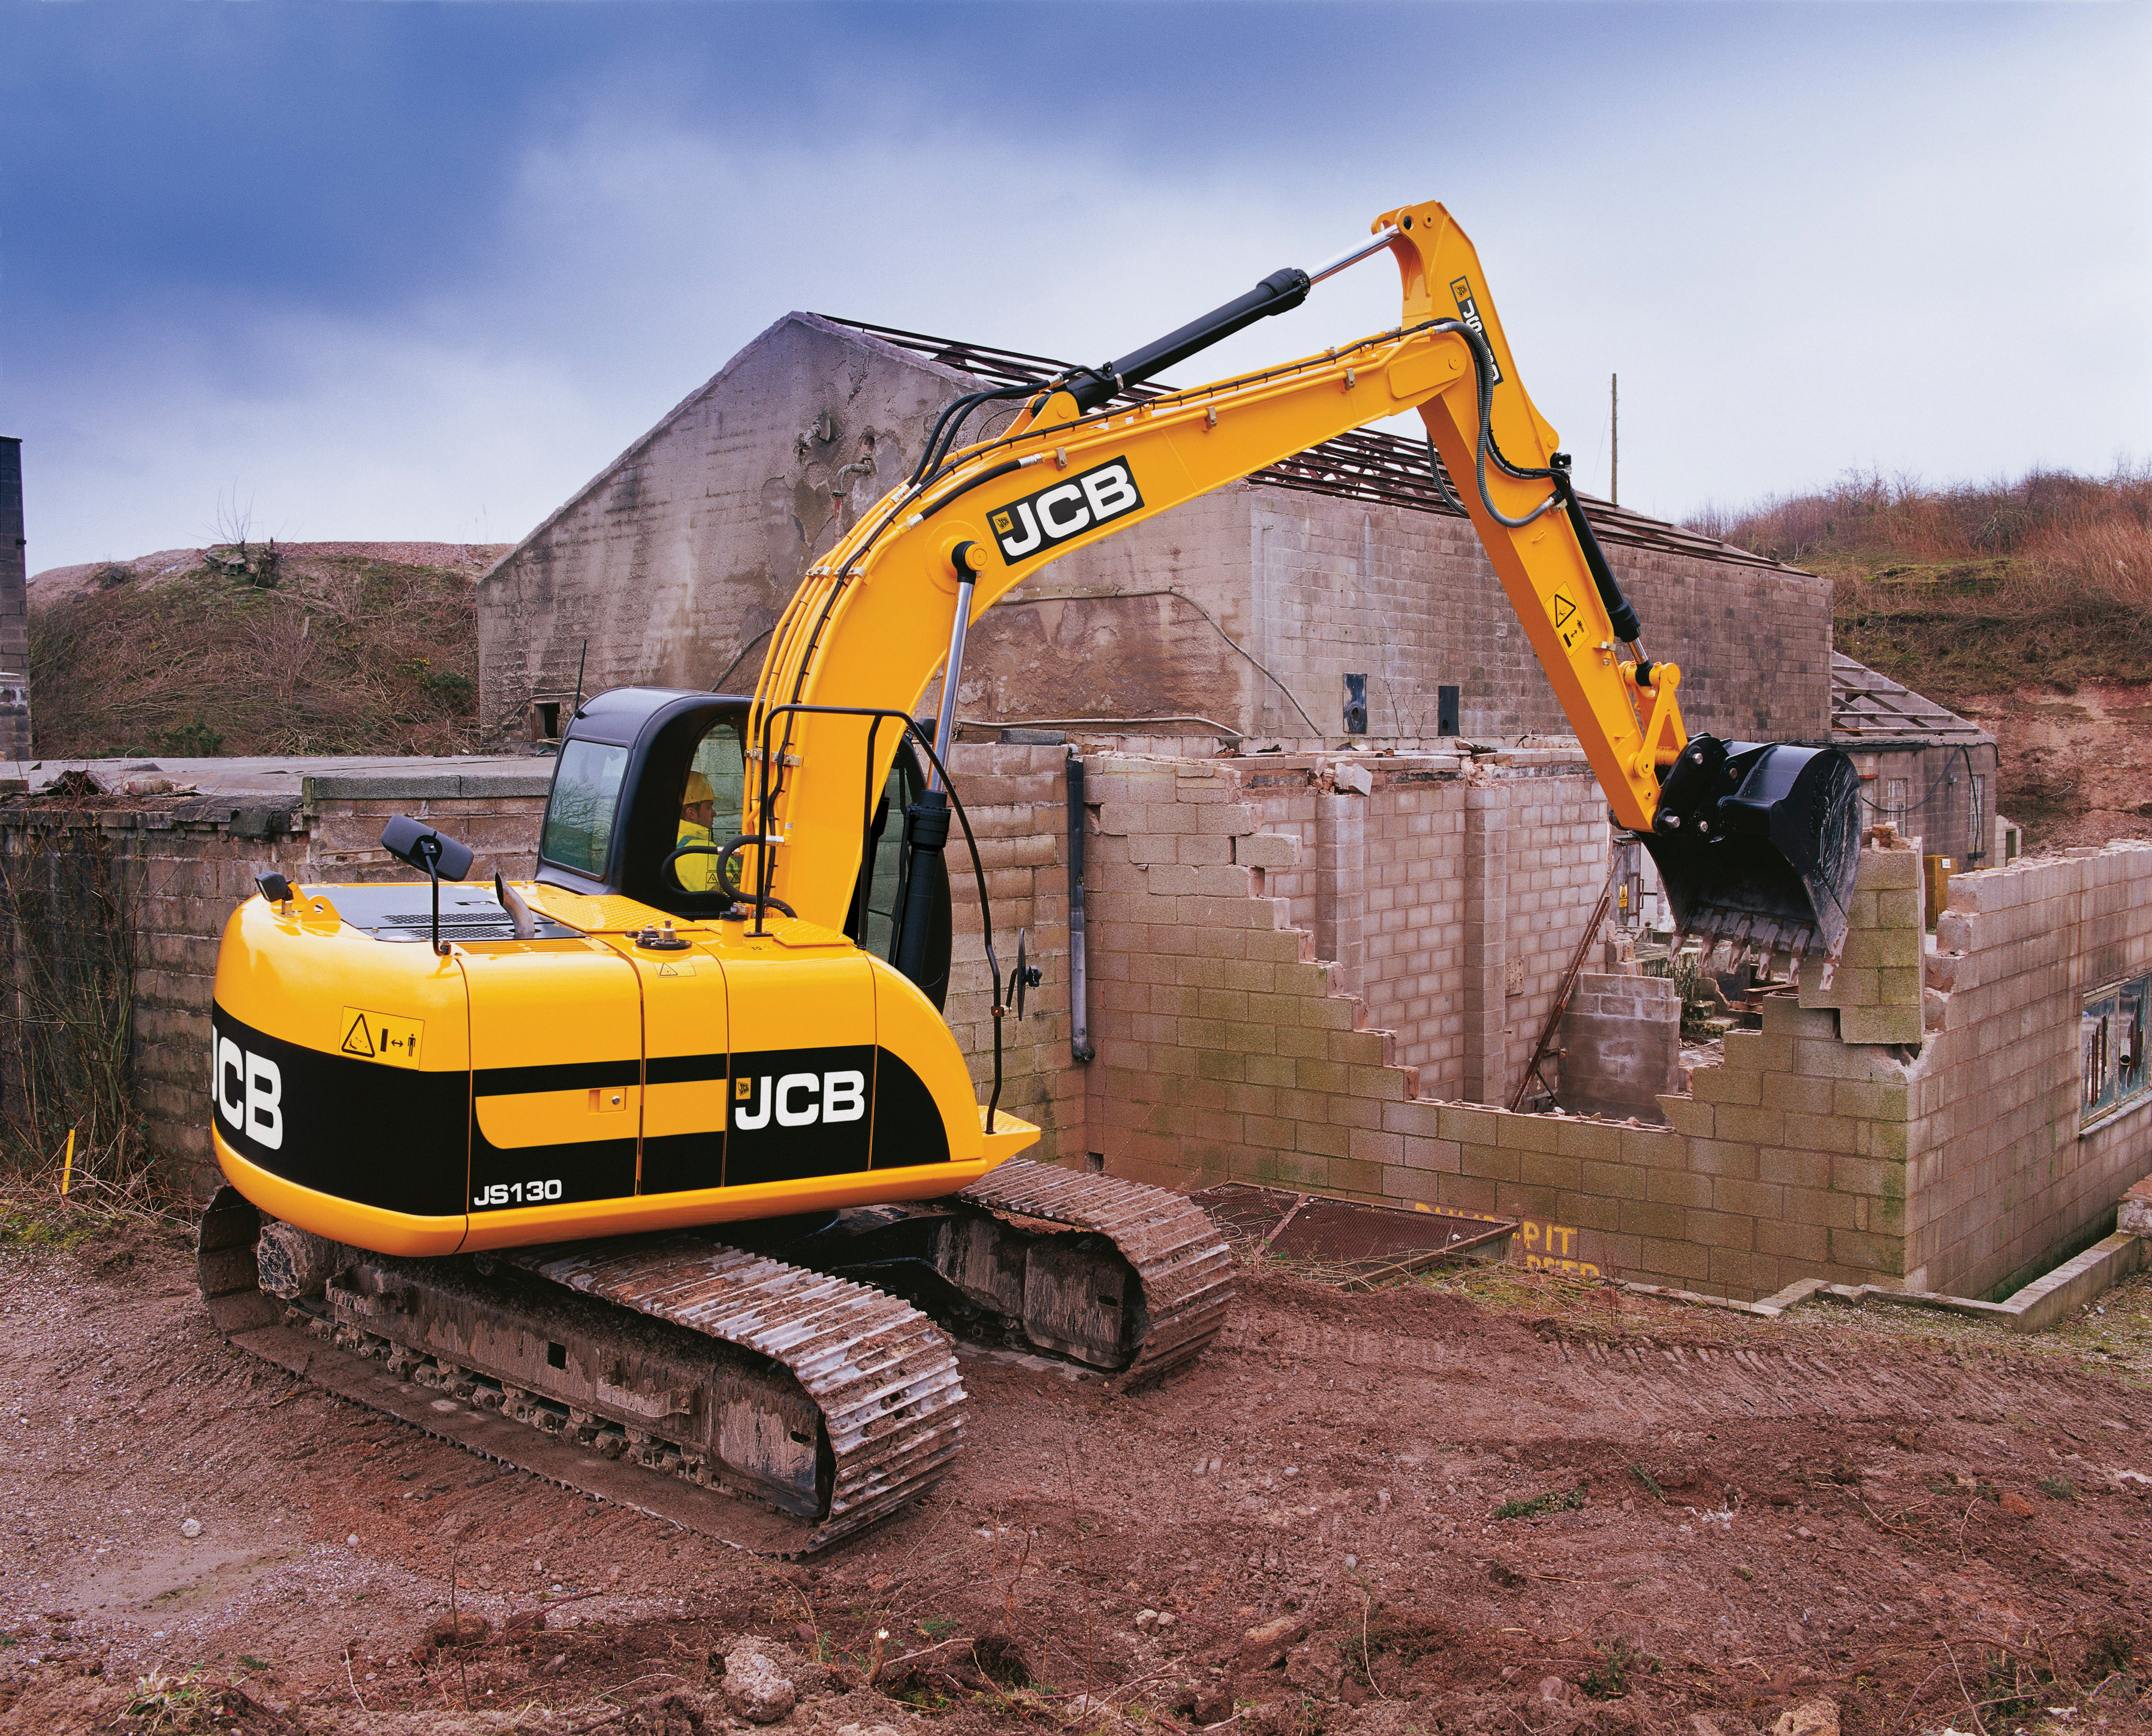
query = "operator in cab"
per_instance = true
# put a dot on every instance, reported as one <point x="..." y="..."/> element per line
<point x="699" y="805"/>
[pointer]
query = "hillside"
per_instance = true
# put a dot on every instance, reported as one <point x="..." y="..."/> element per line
<point x="2025" y="605"/>
<point x="303" y="648"/>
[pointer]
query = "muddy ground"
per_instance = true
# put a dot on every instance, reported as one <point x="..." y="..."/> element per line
<point x="1712" y="1521"/>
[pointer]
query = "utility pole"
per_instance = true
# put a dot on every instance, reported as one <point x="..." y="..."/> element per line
<point x="1614" y="402"/>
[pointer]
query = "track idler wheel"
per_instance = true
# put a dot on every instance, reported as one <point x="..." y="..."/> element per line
<point x="1757" y="843"/>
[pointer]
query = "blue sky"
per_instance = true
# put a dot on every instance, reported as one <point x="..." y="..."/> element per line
<point x="417" y="272"/>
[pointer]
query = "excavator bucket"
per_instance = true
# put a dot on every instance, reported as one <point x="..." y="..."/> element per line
<point x="1757" y="844"/>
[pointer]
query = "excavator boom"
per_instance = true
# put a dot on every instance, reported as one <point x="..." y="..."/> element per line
<point x="1754" y="841"/>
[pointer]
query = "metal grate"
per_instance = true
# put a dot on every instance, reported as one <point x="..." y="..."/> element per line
<point x="501" y="927"/>
<point x="1356" y="1243"/>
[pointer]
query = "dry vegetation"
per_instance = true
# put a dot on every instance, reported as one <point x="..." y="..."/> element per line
<point x="315" y="653"/>
<point x="1963" y="590"/>
<point x="2025" y="605"/>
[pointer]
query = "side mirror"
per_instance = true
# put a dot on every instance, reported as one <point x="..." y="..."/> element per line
<point x="428" y="851"/>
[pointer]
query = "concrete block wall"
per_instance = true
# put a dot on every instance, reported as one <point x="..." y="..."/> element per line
<point x="1621" y="1046"/>
<point x="1451" y="895"/>
<point x="1876" y="985"/>
<point x="1409" y="599"/>
<point x="185" y="862"/>
<point x="1559" y="845"/>
<point x="673" y="563"/>
<point x="2005" y="1176"/>
<point x="1017" y="799"/>
<point x="1859" y="1136"/>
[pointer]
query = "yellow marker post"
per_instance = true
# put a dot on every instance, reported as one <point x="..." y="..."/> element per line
<point x="66" y="1169"/>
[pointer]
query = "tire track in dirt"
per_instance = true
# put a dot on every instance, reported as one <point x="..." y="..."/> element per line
<point x="1647" y="1380"/>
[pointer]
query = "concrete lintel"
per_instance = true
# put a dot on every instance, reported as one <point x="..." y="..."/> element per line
<point x="418" y="786"/>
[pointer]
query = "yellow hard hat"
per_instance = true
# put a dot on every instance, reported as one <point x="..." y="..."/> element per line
<point x="698" y="790"/>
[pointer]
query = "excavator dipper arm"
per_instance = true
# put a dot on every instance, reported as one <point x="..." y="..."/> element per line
<point x="1759" y="846"/>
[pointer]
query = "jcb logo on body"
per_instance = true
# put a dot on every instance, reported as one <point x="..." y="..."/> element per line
<point x="1067" y="509"/>
<point x="799" y="1099"/>
<point x="248" y="1090"/>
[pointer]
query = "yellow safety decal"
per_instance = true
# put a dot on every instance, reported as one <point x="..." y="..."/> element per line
<point x="380" y="1035"/>
<point x="676" y="967"/>
<point x="1567" y="622"/>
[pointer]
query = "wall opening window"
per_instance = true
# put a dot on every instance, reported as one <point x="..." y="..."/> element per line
<point x="2111" y="1044"/>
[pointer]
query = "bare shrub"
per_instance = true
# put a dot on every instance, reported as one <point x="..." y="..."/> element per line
<point x="67" y="970"/>
<point x="1974" y="588"/>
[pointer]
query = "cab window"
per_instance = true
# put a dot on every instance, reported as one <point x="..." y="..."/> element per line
<point x="722" y="760"/>
<point x="585" y="799"/>
<point x="710" y="802"/>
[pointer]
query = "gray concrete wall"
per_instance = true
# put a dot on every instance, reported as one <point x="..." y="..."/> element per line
<point x="688" y="547"/>
<point x="1926" y="790"/>
<point x="1448" y="891"/>
<point x="2007" y="1172"/>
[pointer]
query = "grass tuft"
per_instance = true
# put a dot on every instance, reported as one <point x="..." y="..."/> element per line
<point x="1555" y="1500"/>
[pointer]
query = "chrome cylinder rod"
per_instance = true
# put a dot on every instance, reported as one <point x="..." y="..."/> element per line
<point x="1331" y="268"/>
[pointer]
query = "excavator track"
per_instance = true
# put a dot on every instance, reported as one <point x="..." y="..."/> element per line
<point x="1182" y="1265"/>
<point x="665" y="1374"/>
<point x="725" y="1389"/>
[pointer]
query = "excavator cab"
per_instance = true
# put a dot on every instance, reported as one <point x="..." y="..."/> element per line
<point x="618" y="821"/>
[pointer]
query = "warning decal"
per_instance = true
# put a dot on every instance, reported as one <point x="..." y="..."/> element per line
<point x="380" y="1035"/>
<point x="1567" y="621"/>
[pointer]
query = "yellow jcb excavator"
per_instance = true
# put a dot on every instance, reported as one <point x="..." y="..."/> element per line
<point x="668" y="1152"/>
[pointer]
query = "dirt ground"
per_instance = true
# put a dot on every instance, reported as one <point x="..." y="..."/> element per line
<point x="1712" y="1521"/>
<point x="2077" y="767"/>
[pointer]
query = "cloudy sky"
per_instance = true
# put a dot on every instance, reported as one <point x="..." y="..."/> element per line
<point x="418" y="271"/>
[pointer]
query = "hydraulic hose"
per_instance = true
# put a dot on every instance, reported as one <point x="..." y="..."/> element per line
<point x="1621" y="613"/>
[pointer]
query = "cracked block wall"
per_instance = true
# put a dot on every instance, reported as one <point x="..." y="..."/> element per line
<point x="1450" y="893"/>
<point x="1227" y="1051"/>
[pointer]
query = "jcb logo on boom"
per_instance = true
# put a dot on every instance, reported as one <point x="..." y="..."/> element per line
<point x="1468" y="310"/>
<point x="248" y="1090"/>
<point x="799" y="1099"/>
<point x="1067" y="509"/>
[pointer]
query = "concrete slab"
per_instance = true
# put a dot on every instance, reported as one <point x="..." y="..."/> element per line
<point x="306" y="777"/>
